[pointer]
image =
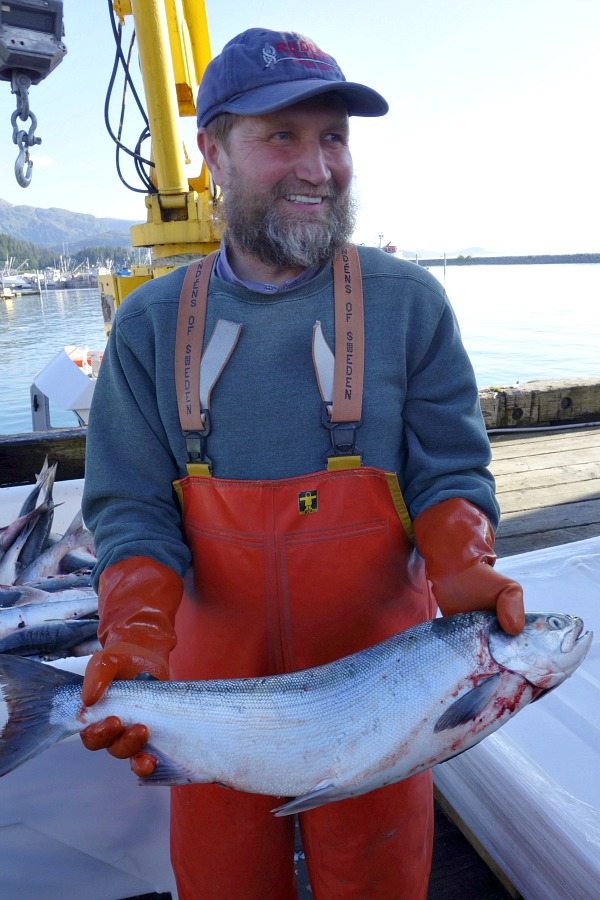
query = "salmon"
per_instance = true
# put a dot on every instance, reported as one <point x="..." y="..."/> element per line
<point x="322" y="734"/>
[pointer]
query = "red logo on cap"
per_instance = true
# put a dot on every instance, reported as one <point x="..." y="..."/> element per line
<point x="302" y="51"/>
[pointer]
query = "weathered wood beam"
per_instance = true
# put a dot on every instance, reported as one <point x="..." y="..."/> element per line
<point x="535" y="403"/>
<point x="22" y="455"/>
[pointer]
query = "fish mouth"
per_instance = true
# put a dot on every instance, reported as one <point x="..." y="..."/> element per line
<point x="575" y="645"/>
<point x="574" y="635"/>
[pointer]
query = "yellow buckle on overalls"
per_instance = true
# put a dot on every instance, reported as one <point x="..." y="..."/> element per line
<point x="201" y="469"/>
<point x="335" y="463"/>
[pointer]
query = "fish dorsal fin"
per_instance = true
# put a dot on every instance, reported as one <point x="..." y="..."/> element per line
<point x="469" y="706"/>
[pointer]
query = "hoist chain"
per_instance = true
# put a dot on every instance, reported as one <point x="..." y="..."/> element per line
<point x="23" y="139"/>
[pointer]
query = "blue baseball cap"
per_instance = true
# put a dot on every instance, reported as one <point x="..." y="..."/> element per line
<point x="261" y="71"/>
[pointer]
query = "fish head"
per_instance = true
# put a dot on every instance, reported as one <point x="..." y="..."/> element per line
<point x="548" y="650"/>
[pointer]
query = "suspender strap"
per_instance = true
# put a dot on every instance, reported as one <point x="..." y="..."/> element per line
<point x="196" y="373"/>
<point x="188" y="347"/>
<point x="340" y="377"/>
<point x="349" y="338"/>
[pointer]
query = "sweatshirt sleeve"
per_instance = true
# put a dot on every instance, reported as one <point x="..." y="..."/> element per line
<point x="129" y="503"/>
<point x="446" y="448"/>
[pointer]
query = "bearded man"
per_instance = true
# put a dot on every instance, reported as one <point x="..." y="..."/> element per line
<point x="323" y="487"/>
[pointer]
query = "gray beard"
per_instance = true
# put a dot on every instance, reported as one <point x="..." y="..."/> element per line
<point x="262" y="230"/>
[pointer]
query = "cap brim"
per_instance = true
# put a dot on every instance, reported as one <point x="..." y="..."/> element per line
<point x="359" y="99"/>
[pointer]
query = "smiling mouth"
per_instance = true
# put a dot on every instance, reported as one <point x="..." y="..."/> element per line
<point x="304" y="198"/>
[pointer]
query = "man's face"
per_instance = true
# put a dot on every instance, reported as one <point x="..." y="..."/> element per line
<point x="286" y="180"/>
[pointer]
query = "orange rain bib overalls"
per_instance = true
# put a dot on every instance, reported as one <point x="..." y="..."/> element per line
<point x="288" y="574"/>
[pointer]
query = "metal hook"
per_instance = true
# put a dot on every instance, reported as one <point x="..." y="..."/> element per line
<point x="23" y="167"/>
<point x="23" y="139"/>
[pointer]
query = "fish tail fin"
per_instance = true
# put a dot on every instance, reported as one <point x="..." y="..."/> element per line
<point x="32" y="497"/>
<point x="27" y="690"/>
<point x="48" y="482"/>
<point x="76" y="525"/>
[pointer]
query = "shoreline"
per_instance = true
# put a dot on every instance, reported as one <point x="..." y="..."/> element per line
<point x="532" y="260"/>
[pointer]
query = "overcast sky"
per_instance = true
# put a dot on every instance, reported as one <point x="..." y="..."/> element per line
<point x="491" y="140"/>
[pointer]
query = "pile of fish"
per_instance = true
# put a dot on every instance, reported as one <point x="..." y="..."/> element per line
<point x="48" y="607"/>
<point x="323" y="734"/>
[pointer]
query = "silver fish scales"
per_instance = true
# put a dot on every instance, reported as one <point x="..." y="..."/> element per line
<point x="322" y="734"/>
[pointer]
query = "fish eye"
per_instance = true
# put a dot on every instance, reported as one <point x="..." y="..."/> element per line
<point x="554" y="622"/>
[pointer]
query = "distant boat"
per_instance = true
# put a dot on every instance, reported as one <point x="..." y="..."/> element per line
<point x="387" y="248"/>
<point x="62" y="279"/>
<point x="18" y="284"/>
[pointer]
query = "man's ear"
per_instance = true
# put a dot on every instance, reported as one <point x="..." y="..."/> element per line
<point x="212" y="151"/>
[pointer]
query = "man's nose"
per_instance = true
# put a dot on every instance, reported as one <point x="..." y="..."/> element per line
<point x="312" y="164"/>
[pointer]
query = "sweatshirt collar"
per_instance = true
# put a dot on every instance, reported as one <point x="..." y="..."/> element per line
<point x="224" y="271"/>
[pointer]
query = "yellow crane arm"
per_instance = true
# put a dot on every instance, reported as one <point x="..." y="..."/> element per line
<point x="174" y="49"/>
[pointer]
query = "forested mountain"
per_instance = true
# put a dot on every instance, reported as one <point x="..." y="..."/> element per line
<point x="61" y="230"/>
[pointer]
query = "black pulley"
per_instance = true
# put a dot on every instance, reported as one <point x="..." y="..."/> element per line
<point x="31" y="33"/>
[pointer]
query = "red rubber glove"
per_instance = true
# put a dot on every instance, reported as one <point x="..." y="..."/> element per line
<point x="137" y="603"/>
<point x="456" y="541"/>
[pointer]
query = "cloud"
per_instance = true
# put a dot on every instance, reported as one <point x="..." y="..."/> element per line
<point x="42" y="160"/>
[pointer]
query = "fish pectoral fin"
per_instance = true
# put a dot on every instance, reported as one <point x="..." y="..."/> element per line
<point x="325" y="792"/>
<point x="167" y="771"/>
<point x="469" y="706"/>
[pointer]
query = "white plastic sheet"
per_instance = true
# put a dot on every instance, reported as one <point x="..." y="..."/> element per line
<point x="531" y="792"/>
<point x="77" y="825"/>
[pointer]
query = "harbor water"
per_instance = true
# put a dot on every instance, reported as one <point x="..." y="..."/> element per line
<point x="524" y="322"/>
<point x="518" y="323"/>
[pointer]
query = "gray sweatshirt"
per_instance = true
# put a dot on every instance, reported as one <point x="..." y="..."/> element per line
<point x="421" y="413"/>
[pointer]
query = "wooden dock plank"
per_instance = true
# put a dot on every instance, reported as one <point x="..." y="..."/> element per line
<point x="560" y="474"/>
<point x="548" y="488"/>
<point x="512" y="545"/>
<point x="545" y="497"/>
<point x="521" y="443"/>
<point x="528" y="460"/>
<point x="551" y="519"/>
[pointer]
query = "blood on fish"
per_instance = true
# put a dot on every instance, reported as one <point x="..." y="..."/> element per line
<point x="510" y="704"/>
